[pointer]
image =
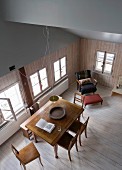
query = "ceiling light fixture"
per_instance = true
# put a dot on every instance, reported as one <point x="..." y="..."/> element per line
<point x="53" y="98"/>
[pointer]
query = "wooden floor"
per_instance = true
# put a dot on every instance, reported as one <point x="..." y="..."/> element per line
<point x="102" y="150"/>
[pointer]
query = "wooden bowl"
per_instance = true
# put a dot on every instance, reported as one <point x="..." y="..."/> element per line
<point x="57" y="113"/>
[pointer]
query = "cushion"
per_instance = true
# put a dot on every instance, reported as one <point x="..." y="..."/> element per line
<point x="85" y="81"/>
<point x="90" y="99"/>
<point x="88" y="88"/>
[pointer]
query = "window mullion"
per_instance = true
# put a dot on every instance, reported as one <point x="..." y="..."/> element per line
<point x="112" y="64"/>
<point x="104" y="62"/>
<point x="60" y="66"/>
<point x="40" y="83"/>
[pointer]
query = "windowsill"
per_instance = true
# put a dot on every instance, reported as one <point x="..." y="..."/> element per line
<point x="43" y="93"/>
<point x="104" y="74"/>
<point x="60" y="80"/>
<point x="49" y="88"/>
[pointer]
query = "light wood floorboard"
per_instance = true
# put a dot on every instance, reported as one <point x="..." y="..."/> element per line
<point x="102" y="150"/>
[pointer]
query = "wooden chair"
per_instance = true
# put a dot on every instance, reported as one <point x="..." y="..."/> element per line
<point x="79" y="98"/>
<point x="26" y="132"/>
<point x="34" y="108"/>
<point x="79" y="126"/>
<point x="27" y="154"/>
<point x="67" y="141"/>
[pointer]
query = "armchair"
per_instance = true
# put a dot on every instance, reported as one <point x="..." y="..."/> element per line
<point x="85" y="82"/>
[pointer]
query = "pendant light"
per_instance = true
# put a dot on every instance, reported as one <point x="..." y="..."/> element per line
<point x="53" y="98"/>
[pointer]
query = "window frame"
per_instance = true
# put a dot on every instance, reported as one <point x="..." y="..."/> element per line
<point x="102" y="71"/>
<point x="14" y="114"/>
<point x="40" y="82"/>
<point x="11" y="109"/>
<point x="60" y="68"/>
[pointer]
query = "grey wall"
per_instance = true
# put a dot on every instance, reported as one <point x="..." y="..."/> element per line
<point x="21" y="44"/>
<point x="94" y="15"/>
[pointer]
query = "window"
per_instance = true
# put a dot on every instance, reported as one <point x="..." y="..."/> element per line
<point x="39" y="81"/>
<point x="43" y="77"/>
<point x="35" y="84"/>
<point x="104" y="62"/>
<point x="11" y="102"/>
<point x="60" y="68"/>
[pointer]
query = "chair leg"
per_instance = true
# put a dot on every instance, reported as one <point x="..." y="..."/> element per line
<point x="79" y="118"/>
<point x="56" y="151"/>
<point x="77" y="86"/>
<point x="40" y="160"/>
<point x="69" y="155"/>
<point x="86" y="132"/>
<point x="76" y="146"/>
<point x="24" y="166"/>
<point x="82" y="115"/>
<point x="74" y="100"/>
<point x="80" y="140"/>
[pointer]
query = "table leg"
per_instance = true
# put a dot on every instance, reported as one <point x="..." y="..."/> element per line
<point x="56" y="151"/>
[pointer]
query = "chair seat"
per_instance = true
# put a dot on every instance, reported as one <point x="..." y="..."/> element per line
<point x="76" y="126"/>
<point x="28" y="153"/>
<point x="79" y="126"/>
<point x="65" y="140"/>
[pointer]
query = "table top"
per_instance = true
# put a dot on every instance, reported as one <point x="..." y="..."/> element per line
<point x="73" y="111"/>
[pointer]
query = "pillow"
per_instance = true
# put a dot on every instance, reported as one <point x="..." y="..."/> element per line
<point x="85" y="81"/>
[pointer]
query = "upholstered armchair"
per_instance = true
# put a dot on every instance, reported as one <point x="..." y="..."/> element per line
<point x="85" y="82"/>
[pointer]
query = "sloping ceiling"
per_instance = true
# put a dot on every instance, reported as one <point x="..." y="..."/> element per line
<point x="96" y="19"/>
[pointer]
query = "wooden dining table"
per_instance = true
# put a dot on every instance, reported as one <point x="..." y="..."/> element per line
<point x="72" y="112"/>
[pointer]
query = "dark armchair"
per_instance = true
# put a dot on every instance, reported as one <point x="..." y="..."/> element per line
<point x="85" y="82"/>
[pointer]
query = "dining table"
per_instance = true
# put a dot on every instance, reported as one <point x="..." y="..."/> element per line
<point x="72" y="112"/>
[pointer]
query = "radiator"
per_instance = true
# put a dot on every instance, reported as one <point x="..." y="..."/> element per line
<point x="57" y="90"/>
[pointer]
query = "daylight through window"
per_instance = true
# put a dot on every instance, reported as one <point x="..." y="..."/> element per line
<point x="39" y="81"/>
<point x="11" y="102"/>
<point x="60" y="68"/>
<point x="104" y="62"/>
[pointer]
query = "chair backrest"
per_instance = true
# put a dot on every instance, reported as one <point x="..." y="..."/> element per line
<point x="73" y="140"/>
<point x="83" y="126"/>
<point x="15" y="151"/>
<point x="83" y="74"/>
<point x="78" y="97"/>
<point x="34" y="108"/>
